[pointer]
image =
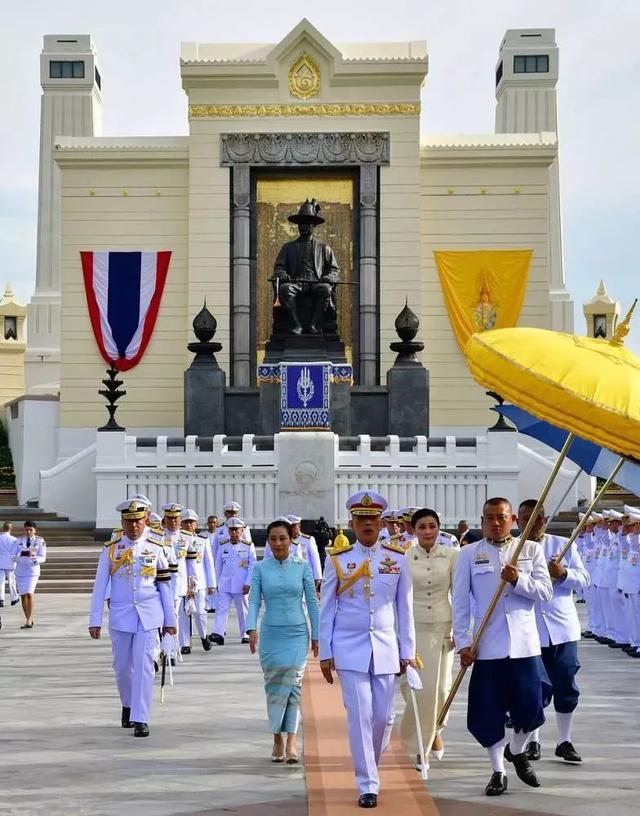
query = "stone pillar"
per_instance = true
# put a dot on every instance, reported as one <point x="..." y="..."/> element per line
<point x="241" y="278"/>
<point x="368" y="350"/>
<point x="306" y="475"/>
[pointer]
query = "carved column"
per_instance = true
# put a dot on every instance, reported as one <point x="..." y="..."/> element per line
<point x="241" y="333"/>
<point x="368" y="274"/>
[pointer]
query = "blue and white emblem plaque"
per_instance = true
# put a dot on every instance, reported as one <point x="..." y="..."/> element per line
<point x="304" y="396"/>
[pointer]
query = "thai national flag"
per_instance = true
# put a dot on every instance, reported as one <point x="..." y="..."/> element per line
<point x="123" y="292"/>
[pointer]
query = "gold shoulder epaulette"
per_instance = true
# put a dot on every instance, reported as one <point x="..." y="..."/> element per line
<point x="395" y="537"/>
<point x="445" y="534"/>
<point x="391" y="545"/>
<point x="339" y="548"/>
<point x="116" y="535"/>
<point x="155" y="537"/>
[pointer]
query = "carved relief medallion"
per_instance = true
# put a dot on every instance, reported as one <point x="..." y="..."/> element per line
<point x="304" y="78"/>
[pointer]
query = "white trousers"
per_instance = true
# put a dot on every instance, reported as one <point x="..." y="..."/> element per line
<point x="223" y="605"/>
<point x="198" y="619"/>
<point x="10" y="576"/>
<point x="619" y="620"/>
<point x="593" y="610"/>
<point x="631" y="605"/>
<point x="605" y="609"/>
<point x="133" y="666"/>
<point x="368" y="699"/>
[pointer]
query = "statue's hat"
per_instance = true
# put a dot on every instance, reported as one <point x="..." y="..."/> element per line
<point x="307" y="214"/>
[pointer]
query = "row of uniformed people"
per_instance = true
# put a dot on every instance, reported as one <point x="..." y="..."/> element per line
<point x="610" y="547"/>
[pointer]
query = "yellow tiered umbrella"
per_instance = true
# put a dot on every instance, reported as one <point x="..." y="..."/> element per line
<point x="589" y="387"/>
<point x="586" y="386"/>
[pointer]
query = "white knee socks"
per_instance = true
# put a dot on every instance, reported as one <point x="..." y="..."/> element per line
<point x="496" y="755"/>
<point x="518" y="740"/>
<point x="564" y="722"/>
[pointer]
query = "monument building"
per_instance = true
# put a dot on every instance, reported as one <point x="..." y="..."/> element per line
<point x="464" y="230"/>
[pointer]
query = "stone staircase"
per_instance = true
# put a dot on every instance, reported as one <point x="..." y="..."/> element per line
<point x="72" y="551"/>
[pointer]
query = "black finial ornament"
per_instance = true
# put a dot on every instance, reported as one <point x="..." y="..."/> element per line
<point x="407" y="325"/>
<point x="112" y="394"/>
<point x="501" y="424"/>
<point x="204" y="327"/>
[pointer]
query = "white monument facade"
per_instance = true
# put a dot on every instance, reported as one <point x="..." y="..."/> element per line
<point x="186" y="194"/>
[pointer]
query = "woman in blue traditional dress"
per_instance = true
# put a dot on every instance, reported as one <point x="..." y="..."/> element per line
<point x="283" y="582"/>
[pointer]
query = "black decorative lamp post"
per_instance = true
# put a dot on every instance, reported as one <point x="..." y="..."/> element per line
<point x="204" y="327"/>
<point x="112" y="394"/>
<point x="204" y="381"/>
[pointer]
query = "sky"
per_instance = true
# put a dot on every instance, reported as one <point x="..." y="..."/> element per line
<point x="138" y="43"/>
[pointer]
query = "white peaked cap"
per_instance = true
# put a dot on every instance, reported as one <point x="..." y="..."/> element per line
<point x="188" y="515"/>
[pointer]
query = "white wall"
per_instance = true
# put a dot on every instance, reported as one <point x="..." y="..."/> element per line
<point x="32" y="424"/>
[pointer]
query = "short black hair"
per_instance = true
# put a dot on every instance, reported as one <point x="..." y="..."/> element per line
<point x="531" y="503"/>
<point x="280" y="523"/>
<point x="30" y="524"/>
<point x="496" y="500"/>
<point x="424" y="512"/>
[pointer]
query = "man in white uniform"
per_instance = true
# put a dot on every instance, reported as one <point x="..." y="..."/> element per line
<point x="367" y="633"/>
<point x="7" y="565"/>
<point x="133" y="568"/>
<point x="201" y="581"/>
<point x="230" y="510"/>
<point x="175" y="543"/>
<point x="234" y="568"/>
<point x="628" y="576"/>
<point x="559" y="630"/>
<point x="508" y="673"/>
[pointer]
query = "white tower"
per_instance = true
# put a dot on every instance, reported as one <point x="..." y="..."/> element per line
<point x="71" y="106"/>
<point x="526" y="78"/>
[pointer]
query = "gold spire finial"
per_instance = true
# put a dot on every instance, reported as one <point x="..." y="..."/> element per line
<point x="622" y="329"/>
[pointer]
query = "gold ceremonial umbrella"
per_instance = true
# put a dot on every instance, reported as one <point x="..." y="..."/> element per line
<point x="589" y="387"/>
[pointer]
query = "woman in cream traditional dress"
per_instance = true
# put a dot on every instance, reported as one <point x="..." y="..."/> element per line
<point x="432" y="567"/>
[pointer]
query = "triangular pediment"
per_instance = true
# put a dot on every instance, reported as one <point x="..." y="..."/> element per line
<point x="304" y="35"/>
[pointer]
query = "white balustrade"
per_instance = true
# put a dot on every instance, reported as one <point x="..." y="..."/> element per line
<point x="453" y="476"/>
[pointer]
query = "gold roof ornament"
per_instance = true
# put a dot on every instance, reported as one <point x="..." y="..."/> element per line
<point x="622" y="329"/>
<point x="304" y="78"/>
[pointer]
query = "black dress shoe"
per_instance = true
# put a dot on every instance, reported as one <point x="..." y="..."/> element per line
<point x="567" y="752"/>
<point x="524" y="770"/>
<point x="1" y="603"/>
<point x="206" y="644"/>
<point x="172" y="660"/>
<point x="13" y="603"/>
<point x="141" y="730"/>
<point x="156" y="668"/>
<point x="588" y="634"/>
<point x="532" y="751"/>
<point x="635" y="654"/>
<point x="497" y="784"/>
<point x="368" y="800"/>
<point x="245" y="640"/>
<point x="185" y="650"/>
<point x="217" y="639"/>
<point x="125" y="719"/>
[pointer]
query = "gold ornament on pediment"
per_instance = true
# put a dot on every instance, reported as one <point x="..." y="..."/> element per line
<point x="313" y="109"/>
<point x="304" y="78"/>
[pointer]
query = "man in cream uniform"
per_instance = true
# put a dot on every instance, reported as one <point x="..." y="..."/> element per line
<point x="201" y="581"/>
<point x="234" y="568"/>
<point x="175" y="542"/>
<point x="586" y="547"/>
<point x="230" y="510"/>
<point x="615" y="611"/>
<point x="600" y="536"/>
<point x="7" y="565"/>
<point x="367" y="633"/>
<point x="507" y="672"/>
<point x="134" y="569"/>
<point x="559" y="630"/>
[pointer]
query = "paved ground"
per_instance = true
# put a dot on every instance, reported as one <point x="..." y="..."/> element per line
<point x="62" y="750"/>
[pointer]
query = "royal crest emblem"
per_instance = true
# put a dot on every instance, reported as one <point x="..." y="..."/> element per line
<point x="304" y="78"/>
<point x="304" y="387"/>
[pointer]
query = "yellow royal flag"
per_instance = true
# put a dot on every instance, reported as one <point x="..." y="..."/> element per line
<point x="483" y="289"/>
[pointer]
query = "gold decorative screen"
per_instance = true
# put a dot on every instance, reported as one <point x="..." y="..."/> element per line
<point x="279" y="196"/>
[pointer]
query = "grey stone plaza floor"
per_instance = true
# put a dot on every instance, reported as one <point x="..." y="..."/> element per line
<point x="62" y="750"/>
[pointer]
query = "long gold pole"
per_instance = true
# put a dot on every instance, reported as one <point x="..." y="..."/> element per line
<point x="500" y="589"/>
<point x="585" y="518"/>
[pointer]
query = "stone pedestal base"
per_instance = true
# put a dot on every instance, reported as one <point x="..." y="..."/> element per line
<point x="307" y="473"/>
<point x="204" y="397"/>
<point x="408" y="400"/>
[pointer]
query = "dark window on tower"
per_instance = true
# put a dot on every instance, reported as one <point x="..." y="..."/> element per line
<point x="10" y="328"/>
<point x="98" y="79"/>
<point x="66" y="69"/>
<point x="499" y="73"/>
<point x="531" y="64"/>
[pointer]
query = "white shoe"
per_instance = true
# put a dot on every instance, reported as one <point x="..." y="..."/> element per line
<point x="438" y="754"/>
